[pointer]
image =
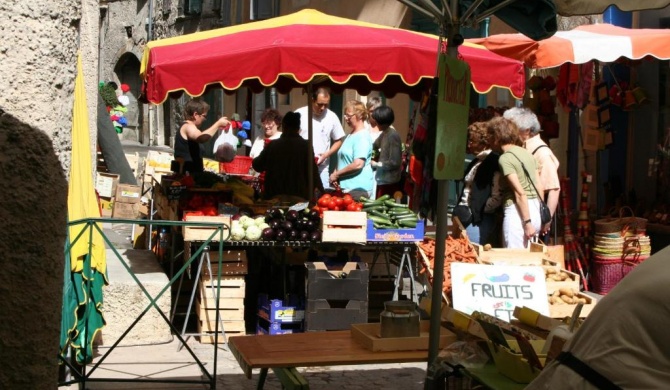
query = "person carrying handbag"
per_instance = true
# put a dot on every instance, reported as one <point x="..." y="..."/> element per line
<point x="481" y="195"/>
<point x="521" y="205"/>
<point x="546" y="162"/>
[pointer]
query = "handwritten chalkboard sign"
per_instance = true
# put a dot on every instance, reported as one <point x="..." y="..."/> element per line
<point x="497" y="289"/>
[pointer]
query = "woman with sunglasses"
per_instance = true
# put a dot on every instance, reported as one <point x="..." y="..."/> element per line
<point x="354" y="173"/>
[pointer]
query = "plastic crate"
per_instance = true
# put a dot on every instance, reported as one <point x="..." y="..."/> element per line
<point x="239" y="166"/>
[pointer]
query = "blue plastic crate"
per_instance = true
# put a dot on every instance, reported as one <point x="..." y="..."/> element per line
<point x="273" y="328"/>
<point x="396" y="235"/>
<point x="276" y="310"/>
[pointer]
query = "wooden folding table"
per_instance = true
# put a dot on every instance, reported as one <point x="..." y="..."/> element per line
<point x="283" y="353"/>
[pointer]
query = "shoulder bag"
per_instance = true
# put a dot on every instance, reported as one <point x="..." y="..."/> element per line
<point x="545" y="214"/>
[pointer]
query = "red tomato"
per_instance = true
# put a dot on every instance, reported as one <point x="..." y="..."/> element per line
<point x="316" y="208"/>
<point x="325" y="196"/>
<point x="347" y="199"/>
<point x="338" y="200"/>
<point x="332" y="205"/>
<point x="323" y="201"/>
<point x="359" y="206"/>
<point x="351" y="207"/>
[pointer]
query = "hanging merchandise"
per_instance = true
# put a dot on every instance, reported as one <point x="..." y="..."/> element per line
<point x="575" y="261"/>
<point x="542" y="101"/>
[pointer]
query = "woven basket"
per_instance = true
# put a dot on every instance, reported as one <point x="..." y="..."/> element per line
<point x="611" y="265"/>
<point x="607" y="271"/>
<point x="622" y="225"/>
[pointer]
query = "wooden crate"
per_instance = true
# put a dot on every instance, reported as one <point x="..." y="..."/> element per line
<point x="344" y="226"/>
<point x="232" y="328"/>
<point x="231" y="309"/>
<point x="535" y="255"/>
<point x="228" y="326"/>
<point x="202" y="233"/>
<point x="232" y="263"/>
<point x="229" y="288"/>
<point x="552" y="285"/>
<point x="562" y="311"/>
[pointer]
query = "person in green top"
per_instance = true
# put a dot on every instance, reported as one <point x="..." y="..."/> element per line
<point x="521" y="221"/>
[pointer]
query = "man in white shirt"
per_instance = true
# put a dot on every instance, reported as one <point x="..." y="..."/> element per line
<point x="327" y="132"/>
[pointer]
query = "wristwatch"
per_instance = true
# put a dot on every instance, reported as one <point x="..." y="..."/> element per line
<point x="526" y="222"/>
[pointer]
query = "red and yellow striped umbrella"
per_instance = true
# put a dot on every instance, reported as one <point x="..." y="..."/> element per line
<point x="312" y="47"/>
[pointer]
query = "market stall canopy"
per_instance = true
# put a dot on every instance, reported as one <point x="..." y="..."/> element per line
<point x="602" y="42"/>
<point x="312" y="47"/>
<point x="591" y="7"/>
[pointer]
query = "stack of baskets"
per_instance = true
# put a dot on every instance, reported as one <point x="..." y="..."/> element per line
<point x="619" y="245"/>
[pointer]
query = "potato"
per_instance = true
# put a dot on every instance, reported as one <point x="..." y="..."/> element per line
<point x="564" y="276"/>
<point x="566" y="291"/>
<point x="550" y="270"/>
<point x="581" y="300"/>
<point x="487" y="247"/>
<point x="556" y="294"/>
<point x="567" y="299"/>
<point x="553" y="300"/>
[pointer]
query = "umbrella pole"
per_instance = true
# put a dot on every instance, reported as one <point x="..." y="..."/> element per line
<point x="440" y="241"/>
<point x="310" y="147"/>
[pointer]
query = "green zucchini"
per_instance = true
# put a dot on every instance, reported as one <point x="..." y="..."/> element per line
<point x="401" y="213"/>
<point x="378" y="213"/>
<point x="379" y="207"/>
<point x="380" y="220"/>
<point x="407" y="223"/>
<point x="392" y="203"/>
<point x="382" y="199"/>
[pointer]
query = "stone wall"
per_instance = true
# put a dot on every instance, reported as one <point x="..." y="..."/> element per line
<point x="38" y="51"/>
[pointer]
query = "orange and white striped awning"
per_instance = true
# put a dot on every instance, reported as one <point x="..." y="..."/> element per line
<point x="602" y="42"/>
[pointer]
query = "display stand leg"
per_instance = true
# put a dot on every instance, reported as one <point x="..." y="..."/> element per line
<point x="204" y="256"/>
<point x="405" y="263"/>
<point x="261" y="378"/>
<point x="375" y="257"/>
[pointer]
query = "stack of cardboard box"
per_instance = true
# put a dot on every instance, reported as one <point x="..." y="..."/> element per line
<point x="127" y="201"/>
<point x="105" y="185"/>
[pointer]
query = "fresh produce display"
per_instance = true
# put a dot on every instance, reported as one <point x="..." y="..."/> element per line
<point x="566" y="296"/>
<point x="199" y="202"/>
<point x="386" y="213"/>
<point x="456" y="250"/>
<point x="291" y="225"/>
<point x="246" y="228"/>
<point x="337" y="203"/>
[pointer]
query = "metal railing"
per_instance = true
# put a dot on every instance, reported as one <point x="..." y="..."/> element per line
<point x="81" y="372"/>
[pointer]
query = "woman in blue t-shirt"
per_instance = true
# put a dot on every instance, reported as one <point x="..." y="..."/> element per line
<point x="354" y="173"/>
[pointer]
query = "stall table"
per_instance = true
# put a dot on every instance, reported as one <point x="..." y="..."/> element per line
<point x="283" y="353"/>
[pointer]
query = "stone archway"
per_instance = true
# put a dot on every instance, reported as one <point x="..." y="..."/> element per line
<point x="127" y="70"/>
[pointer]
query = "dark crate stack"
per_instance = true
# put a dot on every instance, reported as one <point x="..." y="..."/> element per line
<point x="336" y="298"/>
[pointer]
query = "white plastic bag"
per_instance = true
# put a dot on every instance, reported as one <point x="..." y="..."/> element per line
<point x="225" y="147"/>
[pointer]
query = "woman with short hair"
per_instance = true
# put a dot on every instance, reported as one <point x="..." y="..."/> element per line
<point x="271" y="122"/>
<point x="354" y="173"/>
<point x="521" y="206"/>
<point x="388" y="166"/>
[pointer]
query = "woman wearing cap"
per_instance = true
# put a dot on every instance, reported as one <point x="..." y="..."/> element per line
<point x="189" y="137"/>
<point x="271" y="120"/>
